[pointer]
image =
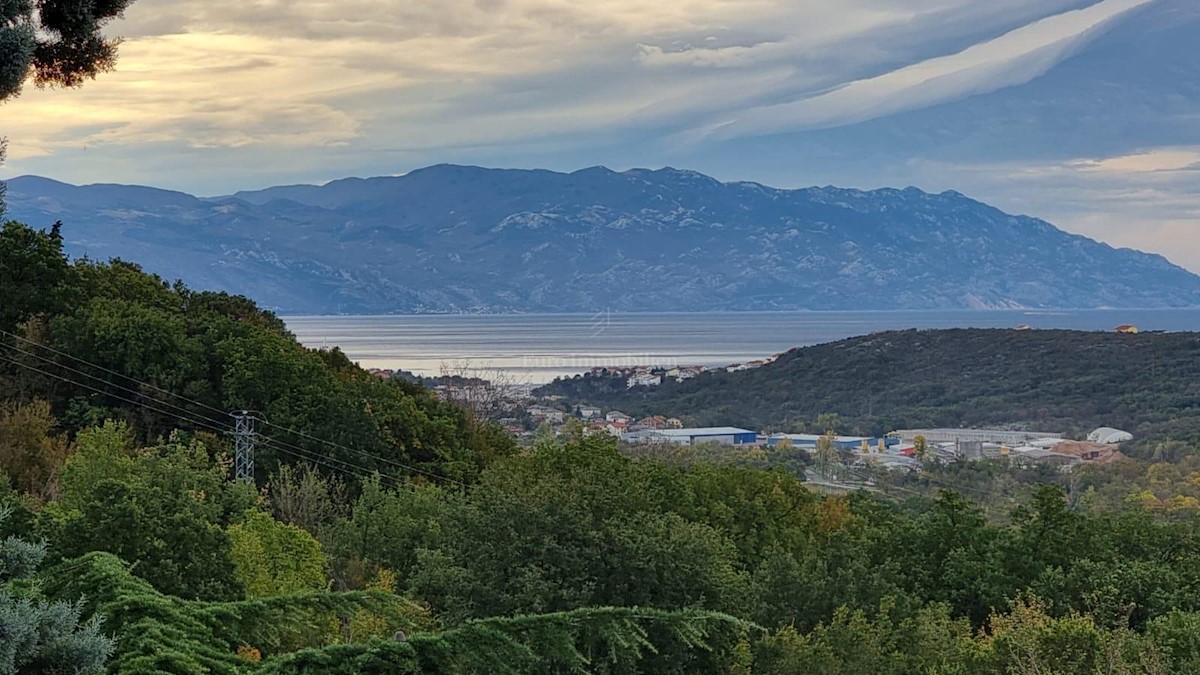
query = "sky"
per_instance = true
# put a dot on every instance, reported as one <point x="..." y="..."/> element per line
<point x="1083" y="112"/>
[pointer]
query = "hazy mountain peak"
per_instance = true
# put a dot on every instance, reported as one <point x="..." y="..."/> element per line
<point x="463" y="238"/>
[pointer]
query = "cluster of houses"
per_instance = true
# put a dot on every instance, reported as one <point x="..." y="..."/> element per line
<point x="652" y="376"/>
<point x="613" y="422"/>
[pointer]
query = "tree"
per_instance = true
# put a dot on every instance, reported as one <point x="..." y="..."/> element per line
<point x="272" y="558"/>
<point x="35" y="274"/>
<point x="303" y="497"/>
<point x="827" y="456"/>
<point x="829" y="423"/>
<point x="488" y="394"/>
<point x="58" y="42"/>
<point x="921" y="447"/>
<point x="853" y="642"/>
<point x="37" y="635"/>
<point x="1028" y="640"/>
<point x="164" y="509"/>
<point x="30" y="453"/>
<point x="388" y="529"/>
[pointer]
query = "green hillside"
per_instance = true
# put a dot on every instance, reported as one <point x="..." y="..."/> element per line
<point x="1051" y="380"/>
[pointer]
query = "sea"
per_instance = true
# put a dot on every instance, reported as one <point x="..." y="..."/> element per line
<point x="536" y="348"/>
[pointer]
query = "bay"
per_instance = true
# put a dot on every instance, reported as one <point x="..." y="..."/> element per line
<point x="536" y="348"/>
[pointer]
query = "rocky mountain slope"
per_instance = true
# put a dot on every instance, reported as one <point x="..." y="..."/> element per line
<point x="454" y="239"/>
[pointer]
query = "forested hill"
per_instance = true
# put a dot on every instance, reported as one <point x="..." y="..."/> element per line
<point x="1051" y="379"/>
<point x="100" y="341"/>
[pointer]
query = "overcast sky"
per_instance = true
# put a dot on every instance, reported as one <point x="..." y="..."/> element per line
<point x="1084" y="112"/>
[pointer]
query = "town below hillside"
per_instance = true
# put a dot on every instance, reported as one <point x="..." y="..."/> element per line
<point x="1069" y="382"/>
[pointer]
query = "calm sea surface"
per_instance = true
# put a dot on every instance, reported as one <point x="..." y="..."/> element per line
<point x="540" y="347"/>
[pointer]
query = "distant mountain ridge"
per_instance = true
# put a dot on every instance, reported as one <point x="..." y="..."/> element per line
<point x="466" y="239"/>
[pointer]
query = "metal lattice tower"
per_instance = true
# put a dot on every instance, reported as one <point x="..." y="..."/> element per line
<point x="243" y="437"/>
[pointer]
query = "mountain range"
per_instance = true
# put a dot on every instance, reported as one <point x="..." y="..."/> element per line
<point x="466" y="239"/>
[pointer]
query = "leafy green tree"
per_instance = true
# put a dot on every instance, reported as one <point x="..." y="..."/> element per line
<point x="854" y="642"/>
<point x="35" y="273"/>
<point x="566" y="527"/>
<point x="663" y="560"/>
<point x="921" y="448"/>
<point x="164" y="509"/>
<point x="1176" y="635"/>
<point x="389" y="528"/>
<point x="1029" y="640"/>
<point x="829" y="424"/>
<point x="273" y="558"/>
<point x="826" y="457"/>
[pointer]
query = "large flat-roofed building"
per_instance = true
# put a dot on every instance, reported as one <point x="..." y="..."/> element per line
<point x="1001" y="436"/>
<point x="809" y="442"/>
<point x="726" y="435"/>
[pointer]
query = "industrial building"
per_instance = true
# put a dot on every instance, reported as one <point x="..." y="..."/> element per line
<point x="724" y="435"/>
<point x="1001" y="436"/>
<point x="1109" y="436"/>
<point x="809" y="442"/>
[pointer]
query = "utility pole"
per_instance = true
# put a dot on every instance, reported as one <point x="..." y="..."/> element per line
<point x="243" y="438"/>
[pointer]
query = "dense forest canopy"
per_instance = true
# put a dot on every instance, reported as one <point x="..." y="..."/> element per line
<point x="390" y="532"/>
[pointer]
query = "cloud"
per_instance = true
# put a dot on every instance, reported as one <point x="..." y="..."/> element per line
<point x="1011" y="59"/>
<point x="212" y="96"/>
<point x="373" y="73"/>
<point x="1148" y="199"/>
<point x="1149" y="161"/>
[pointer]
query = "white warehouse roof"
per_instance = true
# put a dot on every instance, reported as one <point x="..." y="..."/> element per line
<point x="703" y="431"/>
<point x="1109" y="436"/>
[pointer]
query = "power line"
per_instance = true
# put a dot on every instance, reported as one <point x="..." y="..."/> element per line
<point x="367" y="454"/>
<point x="121" y="387"/>
<point x="363" y="453"/>
<point x="208" y="423"/>
<point x="363" y="472"/>
<point x="112" y="372"/>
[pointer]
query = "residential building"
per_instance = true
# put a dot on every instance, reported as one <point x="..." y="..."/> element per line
<point x="643" y="380"/>
<point x="1086" y="451"/>
<point x="648" y="423"/>
<point x="541" y="413"/>
<point x="614" y="415"/>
